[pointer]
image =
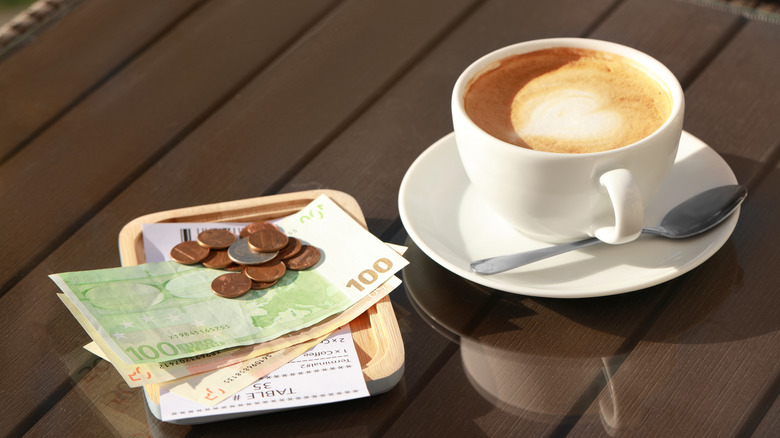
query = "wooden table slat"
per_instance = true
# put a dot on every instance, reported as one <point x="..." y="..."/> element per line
<point x="770" y="423"/>
<point x="709" y="379"/>
<point x="426" y="407"/>
<point x="725" y="107"/>
<point x="161" y="105"/>
<point x="416" y="111"/>
<point x="541" y="362"/>
<point x="165" y="92"/>
<point x="250" y="114"/>
<point x="52" y="209"/>
<point x="681" y="35"/>
<point x="96" y="37"/>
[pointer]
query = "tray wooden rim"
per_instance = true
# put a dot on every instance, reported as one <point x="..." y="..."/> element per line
<point x="375" y="332"/>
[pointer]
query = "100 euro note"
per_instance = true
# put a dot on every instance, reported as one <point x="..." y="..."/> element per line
<point x="158" y="312"/>
<point x="214" y="386"/>
<point x="146" y="374"/>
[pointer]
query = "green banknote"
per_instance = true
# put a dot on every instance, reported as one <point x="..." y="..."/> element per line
<point x="162" y="311"/>
<point x="157" y="312"/>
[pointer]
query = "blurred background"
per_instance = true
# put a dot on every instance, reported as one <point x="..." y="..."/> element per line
<point x="21" y="17"/>
<point x="9" y="8"/>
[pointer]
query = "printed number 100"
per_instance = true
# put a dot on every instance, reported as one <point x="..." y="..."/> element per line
<point x="370" y="275"/>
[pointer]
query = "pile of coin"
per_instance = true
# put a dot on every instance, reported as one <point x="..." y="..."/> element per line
<point x="261" y="254"/>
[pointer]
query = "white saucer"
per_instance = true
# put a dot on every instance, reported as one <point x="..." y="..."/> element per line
<point x="446" y="219"/>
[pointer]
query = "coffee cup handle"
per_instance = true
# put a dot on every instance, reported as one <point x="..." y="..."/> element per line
<point x="627" y="205"/>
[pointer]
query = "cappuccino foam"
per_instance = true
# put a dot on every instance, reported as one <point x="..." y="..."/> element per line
<point x="567" y="100"/>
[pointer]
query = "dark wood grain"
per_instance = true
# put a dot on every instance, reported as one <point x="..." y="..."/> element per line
<point x="630" y="17"/>
<point x="162" y="105"/>
<point x="467" y="411"/>
<point x="430" y="81"/>
<point x="539" y="361"/>
<point x="74" y="150"/>
<point x="384" y="141"/>
<point x="101" y="405"/>
<point x="727" y="362"/>
<point x="37" y="86"/>
<point x="715" y="377"/>
<point x="261" y="113"/>
<point x="69" y="171"/>
<point x="734" y="105"/>
<point x="770" y="423"/>
<point x="683" y="36"/>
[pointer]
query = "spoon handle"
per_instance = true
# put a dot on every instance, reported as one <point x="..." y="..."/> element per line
<point x="495" y="265"/>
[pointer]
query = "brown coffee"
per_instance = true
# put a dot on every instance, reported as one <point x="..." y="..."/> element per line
<point x="567" y="100"/>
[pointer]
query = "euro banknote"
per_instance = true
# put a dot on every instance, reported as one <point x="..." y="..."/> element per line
<point x="159" y="312"/>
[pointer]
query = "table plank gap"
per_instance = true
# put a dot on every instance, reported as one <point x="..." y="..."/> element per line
<point x="763" y="408"/>
<point x="30" y="253"/>
<point x="227" y="130"/>
<point x="605" y="15"/>
<point x="682" y="36"/>
<point x="617" y="357"/>
<point x="305" y="158"/>
<point x="770" y="424"/>
<point x="693" y="351"/>
<point x="28" y="422"/>
<point x="30" y="77"/>
<point x="390" y="108"/>
<point x="709" y="56"/>
<point x="18" y="350"/>
<point x="726" y="110"/>
<point x="729" y="368"/>
<point x="708" y="81"/>
<point x="769" y="162"/>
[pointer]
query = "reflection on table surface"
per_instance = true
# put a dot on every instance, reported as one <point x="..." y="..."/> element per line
<point x="112" y="110"/>
<point x="542" y="358"/>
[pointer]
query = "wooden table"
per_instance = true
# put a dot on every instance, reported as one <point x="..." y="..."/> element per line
<point x="115" y="109"/>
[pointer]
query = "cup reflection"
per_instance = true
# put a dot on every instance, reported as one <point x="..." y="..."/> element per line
<point x="552" y="360"/>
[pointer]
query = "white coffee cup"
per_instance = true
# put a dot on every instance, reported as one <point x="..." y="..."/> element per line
<point x="557" y="197"/>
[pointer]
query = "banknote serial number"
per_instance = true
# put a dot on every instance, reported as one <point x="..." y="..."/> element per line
<point x="197" y="332"/>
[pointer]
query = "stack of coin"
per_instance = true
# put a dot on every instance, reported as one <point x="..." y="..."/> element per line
<point x="261" y="252"/>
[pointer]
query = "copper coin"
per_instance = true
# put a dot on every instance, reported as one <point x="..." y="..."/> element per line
<point x="231" y="285"/>
<point x="267" y="272"/>
<point x="189" y="252"/>
<point x="293" y="248"/>
<point x="268" y="240"/>
<point x="241" y="253"/>
<point x="217" y="260"/>
<point x="308" y="257"/>
<point x="216" y="238"/>
<point x="255" y="227"/>
<point x="233" y="266"/>
<point x="257" y="285"/>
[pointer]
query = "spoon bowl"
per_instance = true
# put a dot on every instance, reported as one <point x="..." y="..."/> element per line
<point x="694" y="216"/>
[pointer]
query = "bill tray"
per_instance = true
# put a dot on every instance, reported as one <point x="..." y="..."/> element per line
<point x="375" y="332"/>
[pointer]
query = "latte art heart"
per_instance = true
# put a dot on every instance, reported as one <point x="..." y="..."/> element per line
<point x="567" y="100"/>
<point x="567" y="116"/>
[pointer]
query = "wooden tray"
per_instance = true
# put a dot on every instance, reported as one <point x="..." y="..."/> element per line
<point x="375" y="332"/>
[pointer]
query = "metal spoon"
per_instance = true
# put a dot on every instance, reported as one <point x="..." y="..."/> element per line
<point x="694" y="216"/>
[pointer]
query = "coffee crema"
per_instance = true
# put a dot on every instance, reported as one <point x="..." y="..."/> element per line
<point x="567" y="100"/>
